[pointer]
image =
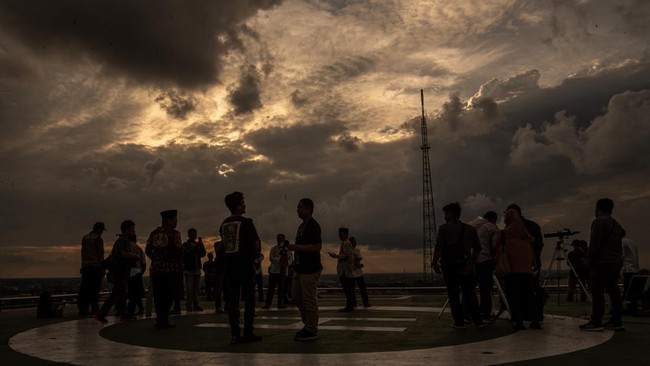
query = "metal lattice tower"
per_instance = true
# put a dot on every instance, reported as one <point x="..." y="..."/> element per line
<point x="428" y="211"/>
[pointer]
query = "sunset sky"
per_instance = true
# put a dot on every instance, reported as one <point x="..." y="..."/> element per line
<point x="114" y="110"/>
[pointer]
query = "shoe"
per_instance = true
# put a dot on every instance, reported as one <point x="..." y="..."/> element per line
<point x="367" y="305"/>
<point x="281" y="307"/>
<point x="188" y="309"/>
<point x="175" y="312"/>
<point x="346" y="310"/>
<point x="305" y="335"/>
<point x="266" y="307"/>
<point x="468" y="320"/>
<point x="613" y="326"/>
<point x="592" y="327"/>
<point x="488" y="320"/>
<point x="198" y="308"/>
<point x="219" y="311"/>
<point x="458" y="326"/>
<point x="251" y="338"/>
<point x="535" y="325"/>
<point x="100" y="318"/>
<point x="236" y="340"/>
<point x="165" y="326"/>
<point x="481" y="325"/>
<point x="128" y="318"/>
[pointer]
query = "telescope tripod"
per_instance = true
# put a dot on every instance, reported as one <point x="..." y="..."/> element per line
<point x="502" y="296"/>
<point x="559" y="255"/>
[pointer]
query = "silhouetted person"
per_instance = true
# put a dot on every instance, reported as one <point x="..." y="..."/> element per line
<point x="576" y="259"/>
<point x="357" y="275"/>
<point x="92" y="256"/>
<point x="630" y="269"/>
<point x="457" y="248"/>
<point x="485" y="229"/>
<point x="308" y="268"/>
<point x="123" y="258"/>
<point x="164" y="248"/>
<point x="221" y="287"/>
<point x="193" y="251"/>
<point x="344" y="268"/>
<point x="259" y="277"/>
<point x="538" y="244"/>
<point x="280" y="258"/>
<point x="241" y="244"/>
<point x="136" y="286"/>
<point x="520" y="281"/>
<point x="605" y="260"/>
<point x="209" y="277"/>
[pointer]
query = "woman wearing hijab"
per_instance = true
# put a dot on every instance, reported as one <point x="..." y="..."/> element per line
<point x="519" y="281"/>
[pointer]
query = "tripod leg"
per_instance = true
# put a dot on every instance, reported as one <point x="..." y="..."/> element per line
<point x="443" y="308"/>
<point x="550" y="267"/>
<point x="502" y="294"/>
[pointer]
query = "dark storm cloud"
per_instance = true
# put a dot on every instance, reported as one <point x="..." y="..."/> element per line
<point x="176" y="105"/>
<point x="297" y="148"/>
<point x="166" y="42"/>
<point x="245" y="96"/>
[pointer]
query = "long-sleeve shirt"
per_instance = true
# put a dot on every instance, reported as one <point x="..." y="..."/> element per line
<point x="92" y="250"/>
<point x="605" y="243"/>
<point x="278" y="264"/>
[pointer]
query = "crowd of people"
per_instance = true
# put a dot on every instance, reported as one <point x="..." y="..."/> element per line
<point x="232" y="272"/>
<point x="466" y="254"/>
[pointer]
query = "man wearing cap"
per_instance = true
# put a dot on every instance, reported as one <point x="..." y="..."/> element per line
<point x="241" y="243"/>
<point x="164" y="248"/>
<point x="92" y="255"/>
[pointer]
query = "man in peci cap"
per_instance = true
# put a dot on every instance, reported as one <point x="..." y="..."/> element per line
<point x="164" y="248"/>
<point x="92" y="255"/>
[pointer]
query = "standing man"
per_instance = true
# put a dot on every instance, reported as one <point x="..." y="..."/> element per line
<point x="164" y="248"/>
<point x="458" y="248"/>
<point x="605" y="260"/>
<point x="307" y="270"/>
<point x="241" y="243"/>
<point x="344" y="268"/>
<point x="579" y="274"/>
<point x="209" y="277"/>
<point x="193" y="251"/>
<point x="280" y="258"/>
<point x="92" y="255"/>
<point x="485" y="263"/>
<point x="124" y="257"/>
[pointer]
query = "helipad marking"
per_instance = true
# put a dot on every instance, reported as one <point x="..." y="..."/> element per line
<point x="78" y="342"/>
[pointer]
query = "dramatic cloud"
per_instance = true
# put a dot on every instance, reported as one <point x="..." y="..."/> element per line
<point x="172" y="42"/>
<point x="176" y="105"/>
<point x="245" y="96"/>
<point x="116" y="110"/>
<point x="611" y="142"/>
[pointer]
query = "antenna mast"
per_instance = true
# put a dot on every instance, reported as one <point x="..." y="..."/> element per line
<point x="428" y="211"/>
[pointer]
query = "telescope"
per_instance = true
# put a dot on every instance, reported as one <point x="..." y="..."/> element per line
<point x="561" y="233"/>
